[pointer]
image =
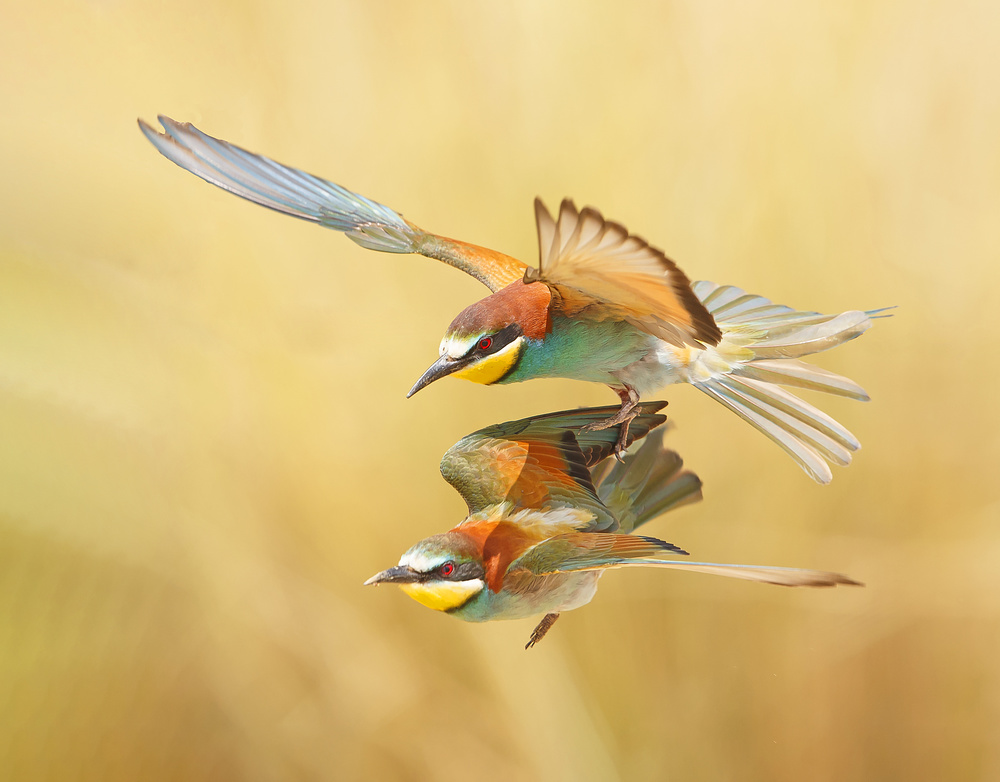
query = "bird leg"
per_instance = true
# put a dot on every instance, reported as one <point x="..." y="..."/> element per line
<point x="543" y="627"/>
<point x="628" y="411"/>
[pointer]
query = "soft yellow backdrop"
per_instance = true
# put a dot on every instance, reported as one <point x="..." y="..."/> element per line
<point x="205" y="446"/>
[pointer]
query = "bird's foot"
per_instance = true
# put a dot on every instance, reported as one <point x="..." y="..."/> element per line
<point x="543" y="627"/>
<point x="629" y="410"/>
<point x="623" y="441"/>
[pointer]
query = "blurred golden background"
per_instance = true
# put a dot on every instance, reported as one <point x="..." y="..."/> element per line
<point x="206" y="447"/>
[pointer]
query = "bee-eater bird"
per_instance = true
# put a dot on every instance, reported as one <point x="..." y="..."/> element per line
<point x="549" y="512"/>
<point x="602" y="306"/>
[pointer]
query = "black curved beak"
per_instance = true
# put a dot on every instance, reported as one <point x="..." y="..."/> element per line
<point x="395" y="575"/>
<point x="440" y="368"/>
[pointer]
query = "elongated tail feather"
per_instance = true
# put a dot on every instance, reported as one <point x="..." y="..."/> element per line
<point x="760" y="351"/>
<point x="793" y="340"/>
<point x="793" y="436"/>
<point x="791" y="372"/>
<point x="782" y="576"/>
<point x="577" y="552"/>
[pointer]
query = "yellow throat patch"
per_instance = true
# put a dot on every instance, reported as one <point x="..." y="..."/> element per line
<point x="443" y="595"/>
<point x="493" y="367"/>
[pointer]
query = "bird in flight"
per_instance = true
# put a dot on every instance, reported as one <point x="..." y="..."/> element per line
<point x="602" y="305"/>
<point x="549" y="512"/>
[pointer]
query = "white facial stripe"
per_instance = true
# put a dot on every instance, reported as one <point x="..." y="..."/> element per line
<point x="457" y="347"/>
<point x="420" y="562"/>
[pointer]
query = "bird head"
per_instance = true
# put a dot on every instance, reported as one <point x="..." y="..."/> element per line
<point x="487" y="339"/>
<point x="443" y="572"/>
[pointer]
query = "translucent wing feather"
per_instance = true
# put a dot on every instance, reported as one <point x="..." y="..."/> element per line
<point x="578" y="551"/>
<point x="299" y="194"/>
<point x="597" y="269"/>
<point x="761" y="351"/>
<point x="646" y="484"/>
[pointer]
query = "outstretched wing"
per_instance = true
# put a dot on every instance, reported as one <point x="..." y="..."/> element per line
<point x="542" y="462"/>
<point x="597" y="269"/>
<point x="296" y="193"/>
<point x="598" y="551"/>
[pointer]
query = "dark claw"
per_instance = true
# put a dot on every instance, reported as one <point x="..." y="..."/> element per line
<point x="623" y="441"/>
<point x="543" y="627"/>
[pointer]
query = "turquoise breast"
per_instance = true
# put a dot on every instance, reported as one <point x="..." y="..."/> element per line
<point x="582" y="350"/>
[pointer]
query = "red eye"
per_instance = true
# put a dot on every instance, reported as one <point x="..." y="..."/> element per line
<point x="485" y="343"/>
<point x="447" y="569"/>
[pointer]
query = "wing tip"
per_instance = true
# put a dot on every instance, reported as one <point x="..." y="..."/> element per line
<point x="662" y="544"/>
<point x="168" y="137"/>
<point x="148" y="130"/>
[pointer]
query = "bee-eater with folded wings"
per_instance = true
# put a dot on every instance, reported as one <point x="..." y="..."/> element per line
<point x="549" y="512"/>
<point x="602" y="306"/>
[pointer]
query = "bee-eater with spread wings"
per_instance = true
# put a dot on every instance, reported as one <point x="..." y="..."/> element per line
<point x="549" y="512"/>
<point x="602" y="306"/>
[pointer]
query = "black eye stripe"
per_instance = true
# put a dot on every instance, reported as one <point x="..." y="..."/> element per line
<point x="465" y="571"/>
<point x="500" y="340"/>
